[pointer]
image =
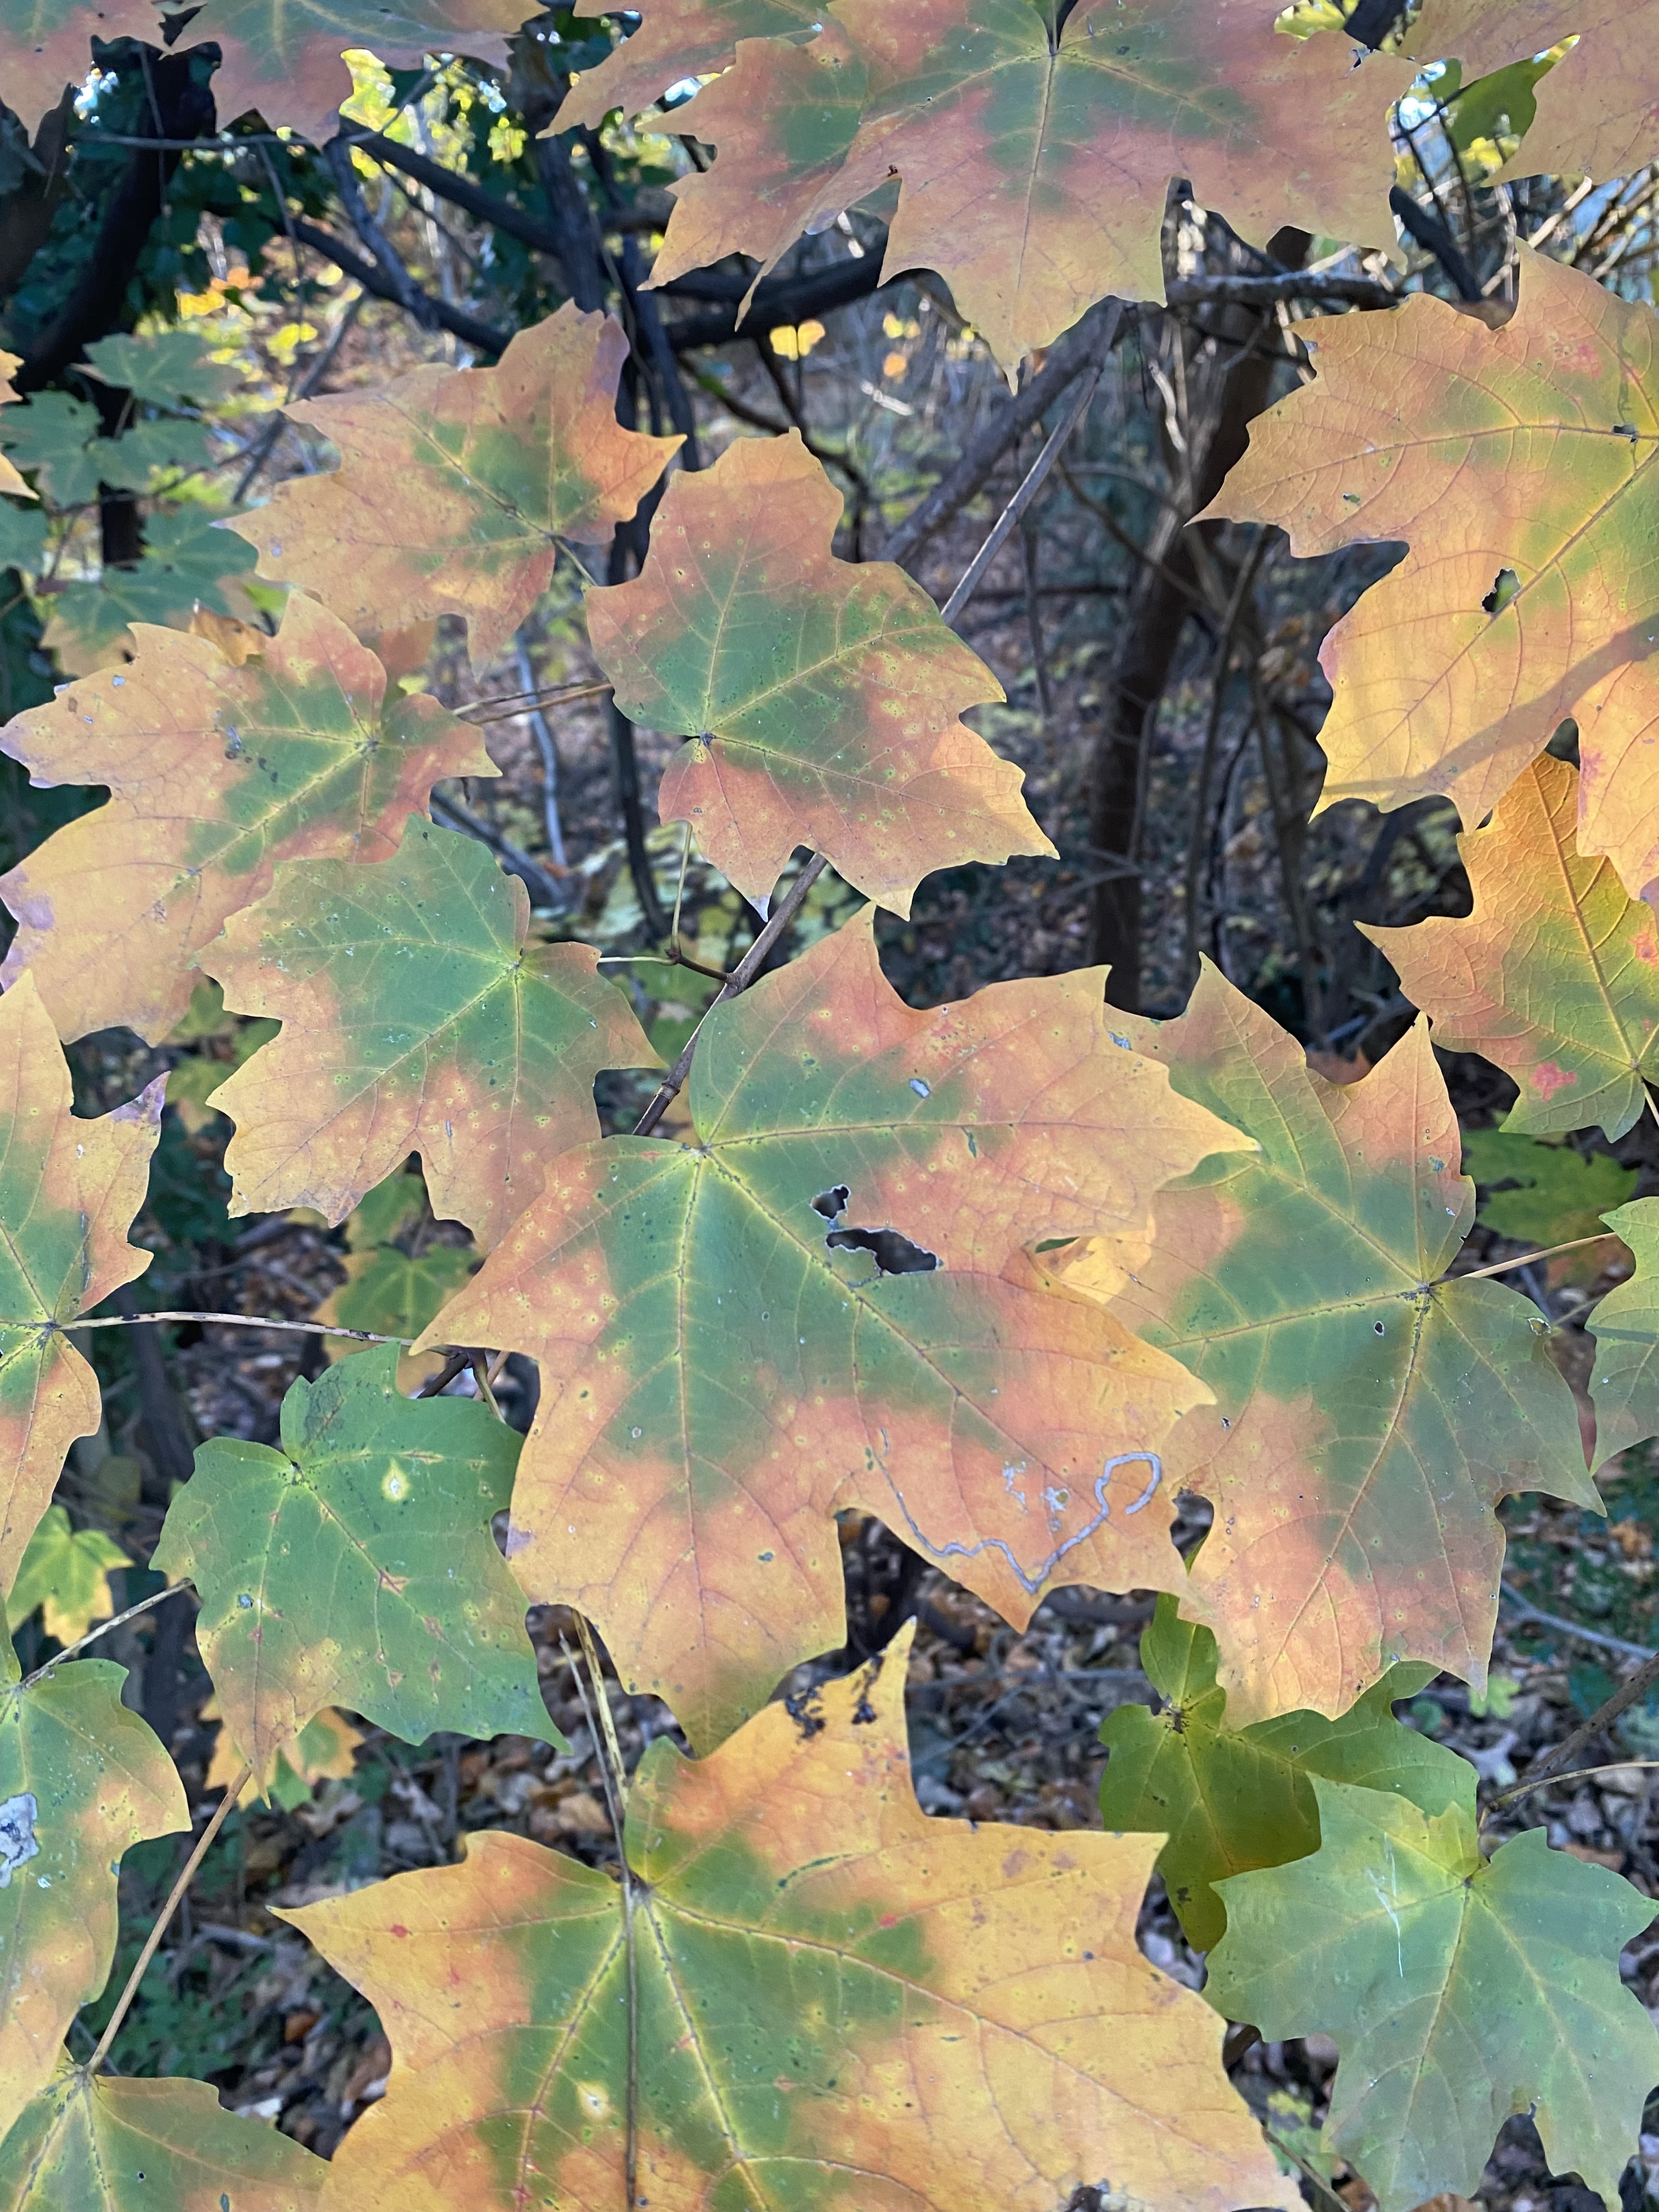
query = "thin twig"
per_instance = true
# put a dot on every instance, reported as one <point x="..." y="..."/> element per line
<point x="511" y="704"/>
<point x="1549" y="1781"/>
<point x="739" y="980"/>
<point x="1634" y="1686"/>
<point x="456" y="1363"/>
<point x="544" y="889"/>
<point x="233" y="1321"/>
<point x="1009" y="518"/>
<point x="92" y="1635"/>
<point x="1526" y="1259"/>
<point x="123" y="2003"/>
<point x="1597" y="1638"/>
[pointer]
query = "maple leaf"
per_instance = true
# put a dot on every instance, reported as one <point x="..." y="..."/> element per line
<point x="456" y="485"/>
<point x="821" y="696"/>
<point x="1035" y="170"/>
<point x="1555" y="976"/>
<point x="417" y="1017"/>
<point x="69" y="1189"/>
<point x="1595" y="105"/>
<point x="217" y="771"/>
<point x="1394" y="1939"/>
<point x="1624" y="1385"/>
<point x="11" y="483"/>
<point x="1514" y="463"/>
<point x="326" y="1749"/>
<point x="80" y="1779"/>
<point x="286" y="61"/>
<point x="65" y="1571"/>
<point x="47" y="46"/>
<point x="1367" y="1416"/>
<point x="101" y="2144"/>
<point x="1547" y="1194"/>
<point x="355" y="1566"/>
<point x="1231" y="1799"/>
<point x="839" y="1999"/>
<point x="822" y="1304"/>
<point x="674" y="39"/>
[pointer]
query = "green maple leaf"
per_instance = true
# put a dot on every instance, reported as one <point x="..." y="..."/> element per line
<point x="1624" y="1386"/>
<point x="1234" y="1799"/>
<point x="90" y="2144"/>
<point x="355" y="1566"/>
<point x="1458" y="1991"/>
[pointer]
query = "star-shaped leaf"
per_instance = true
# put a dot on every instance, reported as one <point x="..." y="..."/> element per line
<point x="217" y="771"/>
<point x="1514" y="463"/>
<point x="674" y="39"/>
<point x="1368" y="1416"/>
<point x="1232" y="1799"/>
<point x="1458" y="1991"/>
<point x="1034" y="169"/>
<point x="1555" y="976"/>
<point x="69" y="1190"/>
<point x="417" y="1017"/>
<point x="65" y="1571"/>
<point x="839" y="2003"/>
<point x="823" y="1304"/>
<point x="355" y="1566"/>
<point x="821" y="696"/>
<point x="285" y="60"/>
<point x="1595" y="105"/>
<point x="98" y="2144"/>
<point x="455" y="485"/>
<point x="1624" y="1385"/>
<point x="80" y="1779"/>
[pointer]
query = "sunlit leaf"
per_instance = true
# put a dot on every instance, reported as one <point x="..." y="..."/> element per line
<point x="103" y="2145"/>
<point x="455" y="486"/>
<point x="10" y="483"/>
<point x="285" y="61"/>
<point x="725" y="1361"/>
<point x="66" y="1572"/>
<point x="1368" y="1416"/>
<point x="1231" y="1799"/>
<point x="355" y="1566"/>
<point x="1595" y="103"/>
<point x="820" y="698"/>
<point x="1555" y="976"/>
<point x="841" y="2003"/>
<point x="673" y="41"/>
<point x="417" y="1017"/>
<point x="69" y="1189"/>
<point x="1624" y="1386"/>
<point x="1034" y="168"/>
<point x="1513" y="462"/>
<point x="80" y="1779"/>
<point x="1458" y="1991"/>
<point x="218" y="771"/>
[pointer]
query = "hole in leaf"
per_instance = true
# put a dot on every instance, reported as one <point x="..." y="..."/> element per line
<point x="832" y="1203"/>
<point x="893" y="1253"/>
<point x="1506" y="586"/>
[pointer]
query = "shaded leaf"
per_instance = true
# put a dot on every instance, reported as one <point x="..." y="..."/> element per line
<point x="1625" y="1384"/>
<point x="674" y="39"/>
<point x="1368" y="1416"/>
<point x="110" y="2145"/>
<point x="1458" y="1991"/>
<point x="1595" y="105"/>
<point x="821" y="696"/>
<point x="163" y="367"/>
<point x="45" y="47"/>
<point x="188" y="564"/>
<point x="455" y="485"/>
<point x="1231" y="1799"/>
<point x="1513" y="464"/>
<point x="80" y="1779"/>
<point x="56" y="437"/>
<point x="355" y="1566"/>
<point x="69" y="1189"/>
<point x="66" y="1572"/>
<point x="10" y="483"/>
<point x="1555" y="976"/>
<point x="325" y="1749"/>
<point x="286" y="61"/>
<point x="841" y="2003"/>
<point x="218" y="770"/>
<point x="394" y="1293"/>
<point x="1034" y="169"/>
<point x="725" y="1363"/>
<point x="1546" y="1194"/>
<point x="417" y="1017"/>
